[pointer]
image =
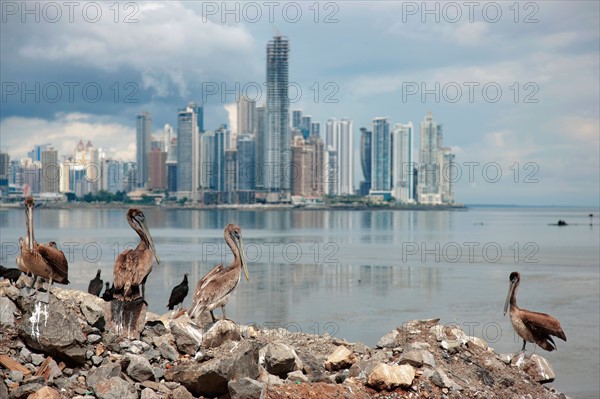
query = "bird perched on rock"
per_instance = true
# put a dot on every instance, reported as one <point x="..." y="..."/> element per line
<point x="95" y="286"/>
<point x="108" y="293"/>
<point x="531" y="326"/>
<point x="11" y="274"/>
<point x="214" y="289"/>
<point x="179" y="293"/>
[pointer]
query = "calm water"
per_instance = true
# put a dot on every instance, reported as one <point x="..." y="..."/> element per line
<point x="358" y="274"/>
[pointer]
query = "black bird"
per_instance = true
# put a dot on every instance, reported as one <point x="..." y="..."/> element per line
<point x="12" y="274"/>
<point x="179" y="293"/>
<point x="108" y="293"/>
<point x="95" y="284"/>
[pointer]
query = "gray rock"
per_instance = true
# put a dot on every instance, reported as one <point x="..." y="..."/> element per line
<point x="137" y="367"/>
<point x="451" y="346"/>
<point x="297" y="376"/>
<point x="215" y="334"/>
<point x="3" y="389"/>
<point x="102" y="373"/>
<point x="211" y="377"/>
<point x="159" y="373"/>
<point x="115" y="388"/>
<point x="363" y="368"/>
<point x="24" y="391"/>
<point x="36" y="359"/>
<point x="441" y="379"/>
<point x="16" y="376"/>
<point x="167" y="338"/>
<point x="417" y="358"/>
<point x="93" y="338"/>
<point x="180" y="393"/>
<point x="535" y="366"/>
<point x="148" y="393"/>
<point x="279" y="359"/>
<point x="53" y="329"/>
<point x="389" y="340"/>
<point x="25" y="354"/>
<point x="93" y="309"/>
<point x="246" y="388"/>
<point x="187" y="335"/>
<point x="7" y="312"/>
<point x="168" y="352"/>
<point x="97" y="360"/>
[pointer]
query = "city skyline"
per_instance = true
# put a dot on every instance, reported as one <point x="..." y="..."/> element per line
<point x="547" y="151"/>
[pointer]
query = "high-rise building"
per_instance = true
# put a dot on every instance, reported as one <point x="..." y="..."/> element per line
<point x="277" y="140"/>
<point x="402" y="163"/>
<point x="230" y="176"/>
<point x="315" y="129"/>
<point x="4" y="173"/>
<point x="142" y="146"/>
<point x="246" y="159"/>
<point x="50" y="171"/>
<point x="218" y="173"/>
<point x="429" y="185"/>
<point x="187" y="152"/>
<point x="172" y="165"/>
<point x="259" y="143"/>
<point x="112" y="175"/>
<point x="344" y="144"/>
<point x="365" y="160"/>
<point x="207" y="168"/>
<point x="296" y="119"/>
<point x="246" y="115"/>
<point x="305" y="126"/>
<point x="36" y="153"/>
<point x="157" y="164"/>
<point x="381" y="156"/>
<point x="330" y="126"/>
<point x="447" y="178"/>
<point x="307" y="157"/>
<point x="330" y="171"/>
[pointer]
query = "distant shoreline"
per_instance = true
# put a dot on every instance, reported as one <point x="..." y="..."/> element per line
<point x="243" y="207"/>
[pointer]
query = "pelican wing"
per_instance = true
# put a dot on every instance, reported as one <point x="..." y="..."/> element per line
<point x="131" y="268"/>
<point x="542" y="323"/>
<point x="197" y="304"/>
<point x="55" y="258"/>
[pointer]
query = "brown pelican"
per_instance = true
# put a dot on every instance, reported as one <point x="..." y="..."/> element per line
<point x="134" y="265"/>
<point x="179" y="293"/>
<point x="214" y="289"/>
<point x="41" y="260"/>
<point x="95" y="285"/>
<point x="531" y="326"/>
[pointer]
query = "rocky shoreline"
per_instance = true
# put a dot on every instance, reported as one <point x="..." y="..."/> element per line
<point x="64" y="350"/>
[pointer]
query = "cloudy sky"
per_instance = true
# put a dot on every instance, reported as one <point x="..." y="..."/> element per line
<point x="516" y="88"/>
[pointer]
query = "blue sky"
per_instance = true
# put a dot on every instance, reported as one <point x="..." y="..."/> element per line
<point x="372" y="58"/>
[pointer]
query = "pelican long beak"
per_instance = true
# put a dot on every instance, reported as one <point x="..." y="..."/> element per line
<point x="29" y="220"/>
<point x="242" y="259"/>
<point x="150" y="241"/>
<point x="511" y="290"/>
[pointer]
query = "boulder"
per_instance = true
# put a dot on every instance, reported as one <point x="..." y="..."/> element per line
<point x="389" y="377"/>
<point x="93" y="309"/>
<point x="137" y="367"/>
<point x="24" y="391"/>
<point x="441" y="379"/>
<point x="279" y="359"/>
<point x="102" y="373"/>
<point x="341" y="358"/>
<point x="215" y="334"/>
<point x="7" y="312"/>
<point x="246" y="388"/>
<point x="297" y="376"/>
<point x="148" y="393"/>
<point x="180" y="393"/>
<point x="45" y="393"/>
<point x="187" y="335"/>
<point x="417" y="358"/>
<point x="53" y="329"/>
<point x="168" y="352"/>
<point x="115" y="388"/>
<point x="537" y="367"/>
<point x="389" y="340"/>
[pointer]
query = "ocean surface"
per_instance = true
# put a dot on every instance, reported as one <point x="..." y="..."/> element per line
<point x="358" y="274"/>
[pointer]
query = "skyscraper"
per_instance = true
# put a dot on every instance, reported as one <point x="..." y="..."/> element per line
<point x="246" y="159"/>
<point x="142" y="146"/>
<point x="259" y="143"/>
<point x="187" y="152"/>
<point x="402" y="164"/>
<point x="343" y="142"/>
<point x="50" y="171"/>
<point x="296" y="119"/>
<point x="365" y="160"/>
<point x="277" y="140"/>
<point x="157" y="166"/>
<point x="429" y="186"/>
<point x="246" y="115"/>
<point x="381" y="157"/>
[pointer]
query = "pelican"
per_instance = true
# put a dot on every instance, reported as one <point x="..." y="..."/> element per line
<point x="41" y="260"/>
<point x="95" y="285"/>
<point x="214" y="289"/>
<point x="179" y="293"/>
<point x="134" y="265"/>
<point x="531" y="326"/>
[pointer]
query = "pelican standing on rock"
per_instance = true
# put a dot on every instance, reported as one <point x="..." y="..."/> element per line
<point x="41" y="260"/>
<point x="134" y="265"/>
<point x="214" y="289"/>
<point x="531" y="326"/>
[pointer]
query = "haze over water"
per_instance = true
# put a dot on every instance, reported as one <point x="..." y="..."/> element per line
<point x="358" y="274"/>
